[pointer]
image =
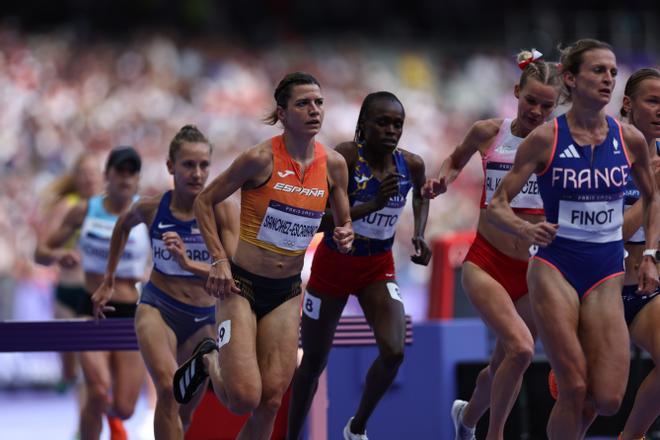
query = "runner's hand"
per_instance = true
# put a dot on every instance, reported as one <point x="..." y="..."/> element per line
<point x="343" y="237"/>
<point x="100" y="298"/>
<point x="220" y="282"/>
<point x="648" y="276"/>
<point x="174" y="244"/>
<point x="434" y="187"/>
<point x="422" y="251"/>
<point x="389" y="187"/>
<point x="541" y="234"/>
<point x="68" y="259"/>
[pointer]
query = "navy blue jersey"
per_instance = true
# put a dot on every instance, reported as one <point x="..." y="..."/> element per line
<point x="631" y="195"/>
<point x="583" y="188"/>
<point x="374" y="233"/>
<point x="189" y="232"/>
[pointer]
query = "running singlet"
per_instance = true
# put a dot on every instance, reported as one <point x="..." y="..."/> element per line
<point x="631" y="194"/>
<point x="374" y="233"/>
<point x="497" y="161"/>
<point x="189" y="232"/>
<point x="94" y="243"/>
<point x="283" y="214"/>
<point x="582" y="188"/>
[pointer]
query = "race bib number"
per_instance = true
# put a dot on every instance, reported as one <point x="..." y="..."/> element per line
<point x="594" y="222"/>
<point x="395" y="293"/>
<point x="224" y="333"/>
<point x="311" y="305"/>
<point x="380" y="225"/>
<point x="288" y="227"/>
<point x="166" y="263"/>
<point x="528" y="197"/>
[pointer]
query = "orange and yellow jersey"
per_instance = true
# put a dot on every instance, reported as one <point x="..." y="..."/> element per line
<point x="283" y="214"/>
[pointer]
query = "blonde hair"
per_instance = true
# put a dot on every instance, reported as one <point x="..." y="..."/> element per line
<point x="65" y="184"/>
<point x="543" y="71"/>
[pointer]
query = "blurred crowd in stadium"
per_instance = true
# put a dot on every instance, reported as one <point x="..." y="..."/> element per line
<point x="61" y="94"/>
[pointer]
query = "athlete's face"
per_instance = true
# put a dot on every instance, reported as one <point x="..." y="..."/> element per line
<point x="644" y="108"/>
<point x="190" y="167"/>
<point x="122" y="181"/>
<point x="535" y="103"/>
<point x="304" y="111"/>
<point x="383" y="125"/>
<point x="596" y="79"/>
<point x="88" y="178"/>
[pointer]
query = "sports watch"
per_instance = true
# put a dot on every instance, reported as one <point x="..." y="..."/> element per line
<point x="653" y="253"/>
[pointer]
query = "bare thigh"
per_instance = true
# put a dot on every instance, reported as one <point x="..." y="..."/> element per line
<point x="556" y="311"/>
<point x="277" y="347"/>
<point x="604" y="337"/>
<point x="495" y="306"/>
<point x="238" y="353"/>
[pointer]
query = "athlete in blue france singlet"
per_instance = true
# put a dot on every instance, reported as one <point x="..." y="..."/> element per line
<point x="189" y="232"/>
<point x="583" y="191"/>
<point x="633" y="302"/>
<point x="374" y="233"/>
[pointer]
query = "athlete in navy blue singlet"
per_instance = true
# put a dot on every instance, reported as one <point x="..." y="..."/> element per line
<point x="175" y="316"/>
<point x="381" y="177"/>
<point x="641" y="107"/>
<point x="582" y="161"/>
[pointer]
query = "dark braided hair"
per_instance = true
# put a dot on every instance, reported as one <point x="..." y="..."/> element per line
<point x="188" y="133"/>
<point x="283" y="91"/>
<point x="366" y="106"/>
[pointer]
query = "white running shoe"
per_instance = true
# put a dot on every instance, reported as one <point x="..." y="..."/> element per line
<point x="348" y="435"/>
<point x="462" y="432"/>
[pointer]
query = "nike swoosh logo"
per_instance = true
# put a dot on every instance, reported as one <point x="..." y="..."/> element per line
<point x="162" y="225"/>
<point x="361" y="179"/>
<point x="285" y="173"/>
<point x="201" y="318"/>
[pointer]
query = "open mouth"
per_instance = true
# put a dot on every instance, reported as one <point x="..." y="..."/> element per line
<point x="313" y="122"/>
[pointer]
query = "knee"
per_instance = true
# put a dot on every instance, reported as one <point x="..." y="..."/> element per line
<point x="271" y="400"/>
<point x="165" y="393"/>
<point x="521" y="354"/>
<point x="243" y="398"/>
<point x="392" y="356"/>
<point x="122" y="409"/>
<point x="573" y="388"/>
<point x="97" y="395"/>
<point x="608" y="405"/>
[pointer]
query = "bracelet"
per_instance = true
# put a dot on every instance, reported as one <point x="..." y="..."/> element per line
<point x="218" y="261"/>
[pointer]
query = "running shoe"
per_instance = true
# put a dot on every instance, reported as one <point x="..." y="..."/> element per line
<point x="191" y="373"/>
<point x="552" y="385"/>
<point x="348" y="435"/>
<point x="462" y="431"/>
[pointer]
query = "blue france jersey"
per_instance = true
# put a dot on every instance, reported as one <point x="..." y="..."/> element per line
<point x="189" y="232"/>
<point x="631" y="195"/>
<point x="583" y="188"/>
<point x="374" y="233"/>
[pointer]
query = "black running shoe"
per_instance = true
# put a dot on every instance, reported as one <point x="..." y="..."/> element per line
<point x="191" y="374"/>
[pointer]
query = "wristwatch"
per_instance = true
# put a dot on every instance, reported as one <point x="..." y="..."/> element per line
<point x="653" y="253"/>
